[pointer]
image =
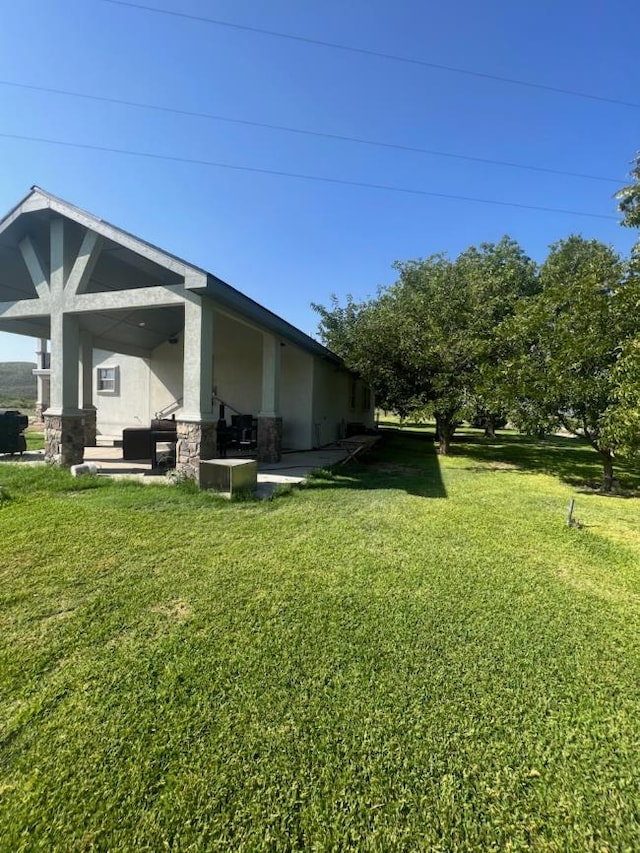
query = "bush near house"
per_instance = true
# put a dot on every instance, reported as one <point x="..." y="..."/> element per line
<point x="412" y="654"/>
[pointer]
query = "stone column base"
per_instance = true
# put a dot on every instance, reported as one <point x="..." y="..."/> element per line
<point x="63" y="439"/>
<point x="196" y="441"/>
<point x="269" y="439"/>
<point x="90" y="426"/>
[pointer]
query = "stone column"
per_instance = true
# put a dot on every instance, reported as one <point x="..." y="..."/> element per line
<point x="63" y="439"/>
<point x="269" y="420"/>
<point x="196" y="428"/>
<point x="195" y="441"/>
<point x="269" y="439"/>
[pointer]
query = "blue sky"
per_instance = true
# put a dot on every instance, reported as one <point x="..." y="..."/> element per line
<point x="287" y="242"/>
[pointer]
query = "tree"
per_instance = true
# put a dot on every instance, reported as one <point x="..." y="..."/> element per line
<point x="373" y="338"/>
<point x="622" y="420"/>
<point x="629" y="198"/>
<point x="423" y="340"/>
<point x="565" y="342"/>
<point x="498" y="276"/>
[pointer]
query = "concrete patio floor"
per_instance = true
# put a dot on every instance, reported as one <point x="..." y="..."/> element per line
<point x="293" y="468"/>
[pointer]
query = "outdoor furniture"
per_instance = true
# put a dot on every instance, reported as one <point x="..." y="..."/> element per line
<point x="245" y="431"/>
<point x="12" y="424"/>
<point x="224" y="437"/>
<point x="241" y="435"/>
<point x="136" y="444"/>
<point x="162" y="431"/>
<point x="140" y="444"/>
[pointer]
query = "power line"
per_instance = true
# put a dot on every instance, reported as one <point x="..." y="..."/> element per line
<point x="300" y="176"/>
<point x="379" y="54"/>
<point x="304" y="132"/>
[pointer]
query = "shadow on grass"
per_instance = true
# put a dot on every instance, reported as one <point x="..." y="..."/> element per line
<point x="402" y="461"/>
<point x="570" y="459"/>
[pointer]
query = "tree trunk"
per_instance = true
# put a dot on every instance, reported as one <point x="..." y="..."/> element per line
<point x="607" y="470"/>
<point x="489" y="427"/>
<point x="445" y="428"/>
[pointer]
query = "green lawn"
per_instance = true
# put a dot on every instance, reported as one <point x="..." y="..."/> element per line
<point x="35" y="440"/>
<point x="410" y="654"/>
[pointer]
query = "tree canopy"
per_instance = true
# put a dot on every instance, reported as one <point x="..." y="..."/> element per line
<point x="423" y="340"/>
<point x="489" y="334"/>
<point x="629" y="197"/>
<point x="562" y="345"/>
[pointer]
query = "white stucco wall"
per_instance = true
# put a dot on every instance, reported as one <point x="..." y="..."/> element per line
<point x="296" y="398"/>
<point x="332" y="402"/>
<point x="237" y="366"/>
<point x="330" y="396"/>
<point x="165" y="379"/>
<point x="315" y="394"/>
<point x="128" y="405"/>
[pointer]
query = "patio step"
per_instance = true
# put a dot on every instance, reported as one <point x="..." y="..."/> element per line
<point x="108" y="441"/>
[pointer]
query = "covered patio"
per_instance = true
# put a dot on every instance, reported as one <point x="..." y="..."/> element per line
<point x="138" y="335"/>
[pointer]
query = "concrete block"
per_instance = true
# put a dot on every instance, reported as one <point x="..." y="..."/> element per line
<point x="228" y="475"/>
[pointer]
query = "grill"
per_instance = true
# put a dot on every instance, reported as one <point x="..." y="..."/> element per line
<point x="12" y="425"/>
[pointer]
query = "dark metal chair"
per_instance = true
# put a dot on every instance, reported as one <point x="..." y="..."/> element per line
<point x="245" y="429"/>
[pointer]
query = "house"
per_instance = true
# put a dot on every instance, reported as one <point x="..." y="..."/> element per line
<point x="136" y="333"/>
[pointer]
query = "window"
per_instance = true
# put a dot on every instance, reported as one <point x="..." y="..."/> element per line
<point x="107" y="380"/>
<point x="366" y="398"/>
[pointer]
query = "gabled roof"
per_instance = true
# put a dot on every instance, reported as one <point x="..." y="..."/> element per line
<point x="195" y="278"/>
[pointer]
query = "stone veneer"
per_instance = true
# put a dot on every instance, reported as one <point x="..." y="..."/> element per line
<point x="196" y="440"/>
<point x="63" y="439"/>
<point x="90" y="426"/>
<point x="269" y="439"/>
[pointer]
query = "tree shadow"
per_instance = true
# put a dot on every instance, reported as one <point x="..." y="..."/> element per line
<point x="401" y="461"/>
<point x="571" y="459"/>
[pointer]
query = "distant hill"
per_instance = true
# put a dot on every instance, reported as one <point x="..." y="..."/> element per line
<point x="17" y="384"/>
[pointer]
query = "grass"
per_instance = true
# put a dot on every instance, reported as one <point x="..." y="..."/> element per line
<point x="408" y="654"/>
<point x="35" y="440"/>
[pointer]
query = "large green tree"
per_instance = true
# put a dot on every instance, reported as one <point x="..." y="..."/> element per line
<point x="423" y="341"/>
<point x="629" y="197"/>
<point x="563" y="345"/>
<point x="622" y="419"/>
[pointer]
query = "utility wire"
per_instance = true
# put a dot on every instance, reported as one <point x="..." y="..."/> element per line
<point x="379" y="54"/>
<point x="300" y="176"/>
<point x="304" y="132"/>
